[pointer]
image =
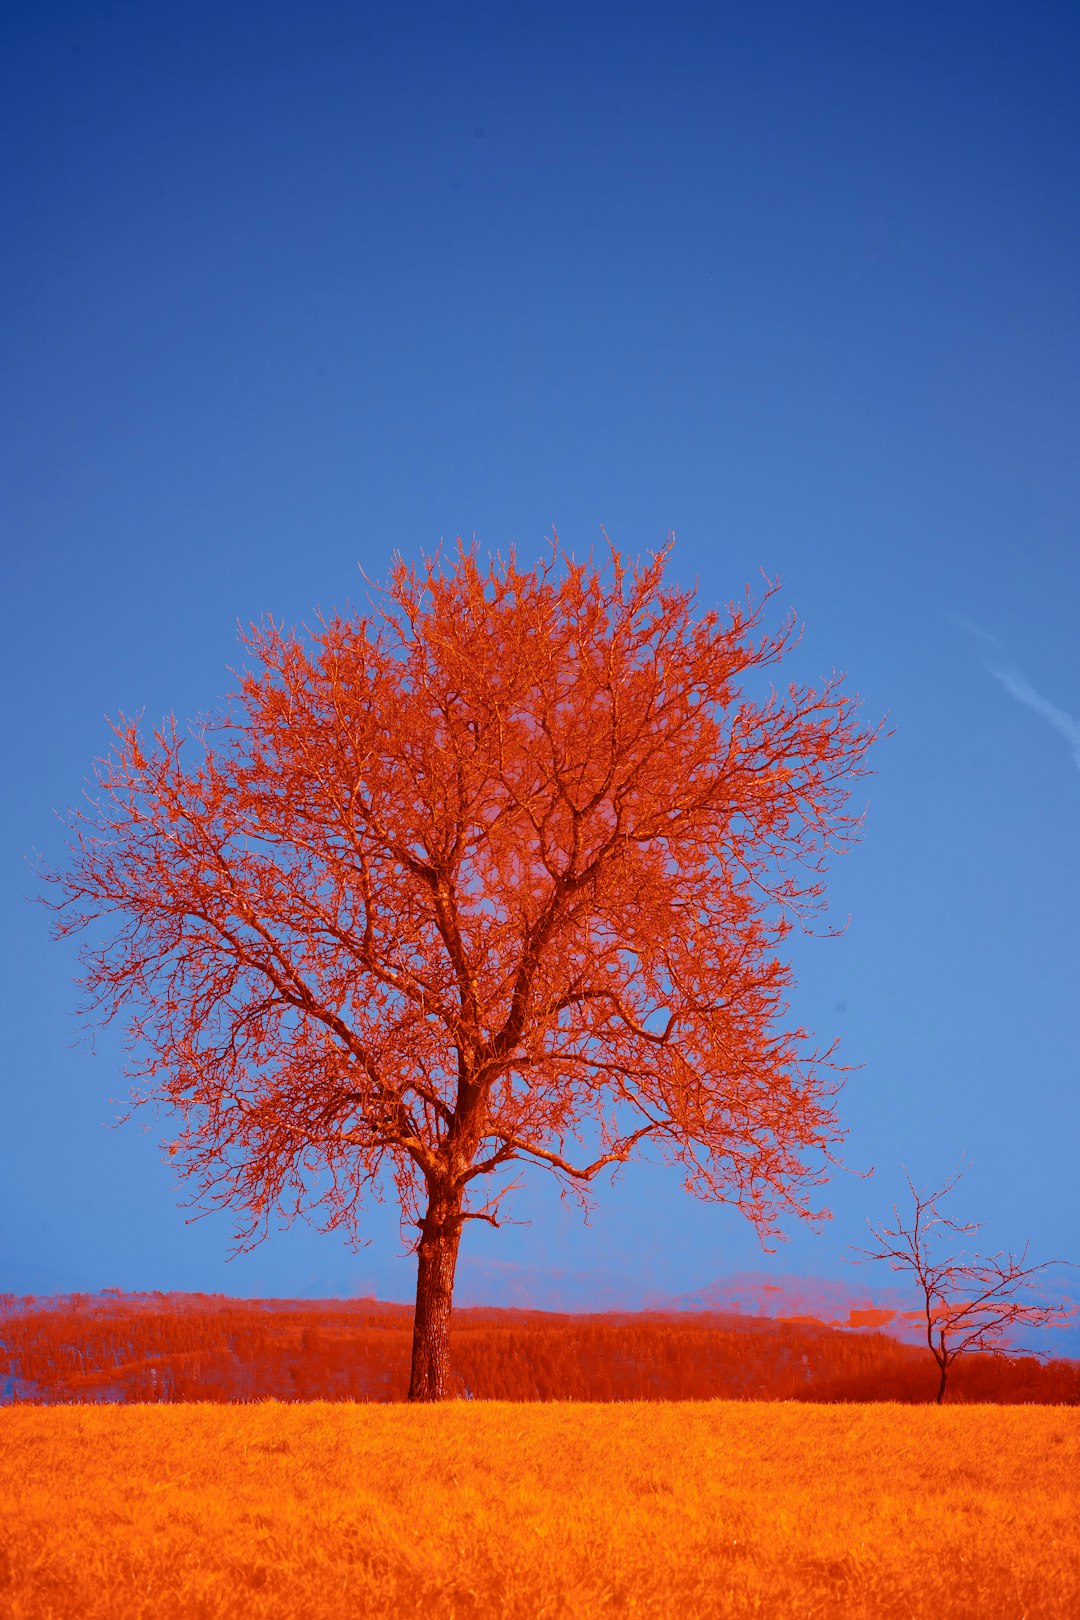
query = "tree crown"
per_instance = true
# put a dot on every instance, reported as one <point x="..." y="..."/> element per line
<point x="494" y="873"/>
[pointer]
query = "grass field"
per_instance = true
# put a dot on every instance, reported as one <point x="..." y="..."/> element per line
<point x="476" y="1509"/>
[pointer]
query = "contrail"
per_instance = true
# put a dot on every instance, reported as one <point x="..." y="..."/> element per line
<point x="1023" y="691"/>
<point x="1019" y="687"/>
<point x="974" y="629"/>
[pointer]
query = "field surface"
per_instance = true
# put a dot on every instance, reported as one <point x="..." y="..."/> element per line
<point x="498" y="1509"/>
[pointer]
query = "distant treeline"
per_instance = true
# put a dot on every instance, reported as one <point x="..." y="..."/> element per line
<point x="197" y="1347"/>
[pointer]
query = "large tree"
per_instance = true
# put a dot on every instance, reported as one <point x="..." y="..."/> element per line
<point x="493" y="874"/>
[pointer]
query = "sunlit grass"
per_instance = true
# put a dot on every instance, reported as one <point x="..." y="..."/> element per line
<point x="495" y="1509"/>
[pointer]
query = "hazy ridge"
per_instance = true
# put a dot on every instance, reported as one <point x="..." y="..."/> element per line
<point x="122" y="1348"/>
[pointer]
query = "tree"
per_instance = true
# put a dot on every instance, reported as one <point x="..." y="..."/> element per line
<point x="971" y="1303"/>
<point x="492" y="875"/>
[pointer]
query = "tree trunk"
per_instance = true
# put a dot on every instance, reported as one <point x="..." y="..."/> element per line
<point x="437" y="1262"/>
<point x="944" y="1366"/>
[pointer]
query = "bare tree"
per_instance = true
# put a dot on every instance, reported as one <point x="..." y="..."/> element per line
<point x="969" y="1303"/>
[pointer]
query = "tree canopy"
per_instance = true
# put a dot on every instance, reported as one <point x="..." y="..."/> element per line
<point x="494" y="873"/>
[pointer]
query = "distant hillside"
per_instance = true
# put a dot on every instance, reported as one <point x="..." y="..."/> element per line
<point x="198" y="1347"/>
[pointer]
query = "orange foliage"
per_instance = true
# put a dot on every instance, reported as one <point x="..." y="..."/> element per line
<point x="872" y="1316"/>
<point x="494" y="875"/>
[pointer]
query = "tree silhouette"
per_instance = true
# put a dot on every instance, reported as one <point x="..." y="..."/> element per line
<point x="969" y="1304"/>
<point x="492" y="875"/>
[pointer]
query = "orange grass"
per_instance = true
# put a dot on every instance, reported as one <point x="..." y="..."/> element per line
<point x="696" y="1509"/>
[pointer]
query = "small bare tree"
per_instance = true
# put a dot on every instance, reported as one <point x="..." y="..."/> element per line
<point x="968" y="1303"/>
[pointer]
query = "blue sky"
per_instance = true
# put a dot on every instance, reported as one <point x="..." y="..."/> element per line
<point x="290" y="287"/>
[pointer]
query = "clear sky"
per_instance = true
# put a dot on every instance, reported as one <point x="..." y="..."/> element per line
<point x="287" y="287"/>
